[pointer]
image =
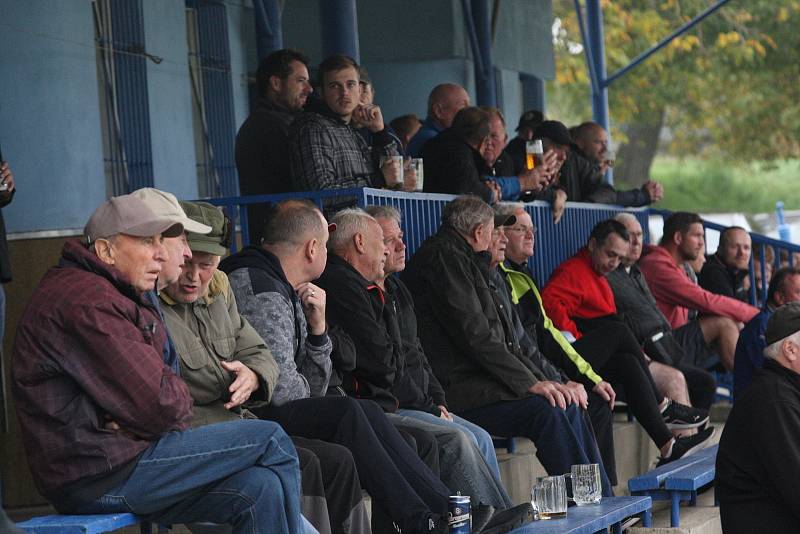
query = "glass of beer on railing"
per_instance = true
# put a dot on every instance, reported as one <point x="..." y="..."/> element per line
<point x="533" y="154"/>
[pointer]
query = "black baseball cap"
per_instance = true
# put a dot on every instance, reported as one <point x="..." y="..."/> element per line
<point x="783" y="323"/>
<point x="530" y="119"/>
<point x="554" y="131"/>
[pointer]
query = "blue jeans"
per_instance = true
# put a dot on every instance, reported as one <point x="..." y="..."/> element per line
<point x="562" y="437"/>
<point x="462" y="467"/>
<point x="242" y="473"/>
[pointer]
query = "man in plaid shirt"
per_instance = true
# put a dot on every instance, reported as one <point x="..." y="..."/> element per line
<point x="326" y="152"/>
<point x="104" y="418"/>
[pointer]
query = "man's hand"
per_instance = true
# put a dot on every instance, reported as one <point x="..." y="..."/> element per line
<point x="245" y="384"/>
<point x="6" y="178"/>
<point x="550" y="162"/>
<point x="655" y="190"/>
<point x="550" y="391"/>
<point x="391" y="169"/>
<point x="559" y="205"/>
<point x="313" y="299"/>
<point x="497" y="192"/>
<point x="409" y="177"/>
<point x="579" y="395"/>
<point x="605" y="390"/>
<point x="447" y="416"/>
<point x="370" y="116"/>
<point x="112" y="425"/>
<point x="534" y="179"/>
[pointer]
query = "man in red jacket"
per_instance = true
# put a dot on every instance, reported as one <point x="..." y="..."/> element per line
<point x="675" y="294"/>
<point x="104" y="419"/>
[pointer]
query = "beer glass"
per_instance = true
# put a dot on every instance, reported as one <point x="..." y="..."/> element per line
<point x="419" y="169"/>
<point x="534" y="152"/>
<point x="549" y="497"/>
<point x="586" y="487"/>
<point x="396" y="179"/>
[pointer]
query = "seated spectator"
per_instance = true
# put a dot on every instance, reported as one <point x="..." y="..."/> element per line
<point x="683" y="241"/>
<point x="638" y="308"/>
<point x="326" y="152"/>
<point x="366" y="308"/>
<point x="128" y="448"/>
<point x="555" y="137"/>
<point x="262" y="144"/>
<point x="229" y="369"/>
<point x="486" y="379"/>
<point x="274" y="290"/>
<point x="528" y="122"/>
<point x="726" y="271"/>
<point x="498" y="166"/>
<point x="406" y="127"/>
<point x="582" y="174"/>
<point x="579" y="300"/>
<point x="758" y="463"/>
<point x="444" y="102"/>
<point x="784" y="288"/>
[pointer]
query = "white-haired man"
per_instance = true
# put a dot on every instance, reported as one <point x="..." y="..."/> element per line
<point x="758" y="463"/>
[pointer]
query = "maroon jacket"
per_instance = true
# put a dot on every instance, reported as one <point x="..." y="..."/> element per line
<point x="89" y="348"/>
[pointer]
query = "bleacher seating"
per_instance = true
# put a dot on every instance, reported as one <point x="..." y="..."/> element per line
<point x="677" y="481"/>
<point x="610" y="512"/>
<point x="83" y="524"/>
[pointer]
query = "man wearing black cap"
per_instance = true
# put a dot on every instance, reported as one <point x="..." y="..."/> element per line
<point x="758" y="463"/>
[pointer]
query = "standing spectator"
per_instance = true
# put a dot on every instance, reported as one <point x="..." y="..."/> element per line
<point x="444" y="102"/>
<point x="555" y="137"/>
<point x="638" y="308"/>
<point x="579" y="300"/>
<point x="486" y="379"/>
<point x="128" y="448"/>
<point x="683" y="241"/>
<point x="726" y="271"/>
<point x="262" y="144"/>
<point x="758" y="463"/>
<point x="326" y="152"/>
<point x="7" y="191"/>
<point x="406" y="127"/>
<point x="528" y="122"/>
<point x="784" y="288"/>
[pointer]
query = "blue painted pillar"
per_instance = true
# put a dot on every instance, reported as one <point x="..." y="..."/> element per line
<point x="533" y="93"/>
<point x="339" y="28"/>
<point x="484" y="67"/>
<point x="269" y="29"/>
<point x="597" y="48"/>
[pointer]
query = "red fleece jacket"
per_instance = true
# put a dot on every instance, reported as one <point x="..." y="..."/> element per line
<point x="576" y="290"/>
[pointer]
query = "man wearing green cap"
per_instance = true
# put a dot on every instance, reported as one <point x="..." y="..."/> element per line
<point x="758" y="463"/>
<point x="229" y="369"/>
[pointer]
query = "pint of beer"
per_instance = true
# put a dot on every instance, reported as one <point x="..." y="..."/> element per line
<point x="533" y="153"/>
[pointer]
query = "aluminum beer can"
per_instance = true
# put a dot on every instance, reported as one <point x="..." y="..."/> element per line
<point x="459" y="520"/>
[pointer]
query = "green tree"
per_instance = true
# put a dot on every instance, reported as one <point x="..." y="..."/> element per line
<point x="726" y="89"/>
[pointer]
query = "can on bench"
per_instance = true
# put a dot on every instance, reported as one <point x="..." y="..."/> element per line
<point x="459" y="517"/>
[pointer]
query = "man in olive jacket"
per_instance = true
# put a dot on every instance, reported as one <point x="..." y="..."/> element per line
<point x="485" y="380"/>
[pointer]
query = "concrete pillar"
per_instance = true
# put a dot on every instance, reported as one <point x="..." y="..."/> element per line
<point x="533" y="92"/>
<point x="339" y="28"/>
<point x="269" y="30"/>
<point x="484" y="70"/>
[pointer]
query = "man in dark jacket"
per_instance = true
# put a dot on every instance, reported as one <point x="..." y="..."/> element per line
<point x="262" y="144"/>
<point x="127" y="449"/>
<point x="486" y="380"/>
<point x="725" y="271"/>
<point x="274" y="290"/>
<point x="758" y="463"/>
<point x="360" y="302"/>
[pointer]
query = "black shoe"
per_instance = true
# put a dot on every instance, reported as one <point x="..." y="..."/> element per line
<point x="688" y="445"/>
<point x="682" y="417"/>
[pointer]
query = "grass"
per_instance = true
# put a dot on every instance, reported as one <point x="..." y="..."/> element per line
<point x="715" y="186"/>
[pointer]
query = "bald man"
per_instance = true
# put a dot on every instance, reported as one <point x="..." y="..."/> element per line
<point x="444" y="102"/>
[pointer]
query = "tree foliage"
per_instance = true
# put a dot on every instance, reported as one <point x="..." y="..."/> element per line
<point x="727" y="88"/>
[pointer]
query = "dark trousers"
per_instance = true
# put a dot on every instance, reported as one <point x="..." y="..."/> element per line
<point x="423" y="442"/>
<point x="701" y="384"/>
<point x="602" y="419"/>
<point x="615" y="355"/>
<point x="390" y="470"/>
<point x="562" y="437"/>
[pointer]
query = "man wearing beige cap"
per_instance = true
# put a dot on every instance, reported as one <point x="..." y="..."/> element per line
<point x="104" y="419"/>
<point x="758" y="463"/>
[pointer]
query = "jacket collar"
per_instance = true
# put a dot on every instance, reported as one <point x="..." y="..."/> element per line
<point x="788" y="374"/>
<point x="255" y="257"/>
<point x="337" y="264"/>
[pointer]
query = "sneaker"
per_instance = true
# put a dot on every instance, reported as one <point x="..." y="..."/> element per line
<point x="682" y="417"/>
<point x="689" y="445"/>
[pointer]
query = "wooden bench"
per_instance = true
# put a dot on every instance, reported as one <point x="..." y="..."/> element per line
<point x="82" y="524"/>
<point x="610" y="512"/>
<point x="677" y="481"/>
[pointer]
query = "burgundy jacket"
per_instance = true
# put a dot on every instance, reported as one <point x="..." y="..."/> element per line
<point x="89" y="348"/>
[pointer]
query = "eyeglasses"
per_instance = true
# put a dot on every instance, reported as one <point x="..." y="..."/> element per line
<point x="519" y="229"/>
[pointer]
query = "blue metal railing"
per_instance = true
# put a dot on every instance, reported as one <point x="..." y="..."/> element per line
<point x="422" y="214"/>
<point x="782" y="254"/>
